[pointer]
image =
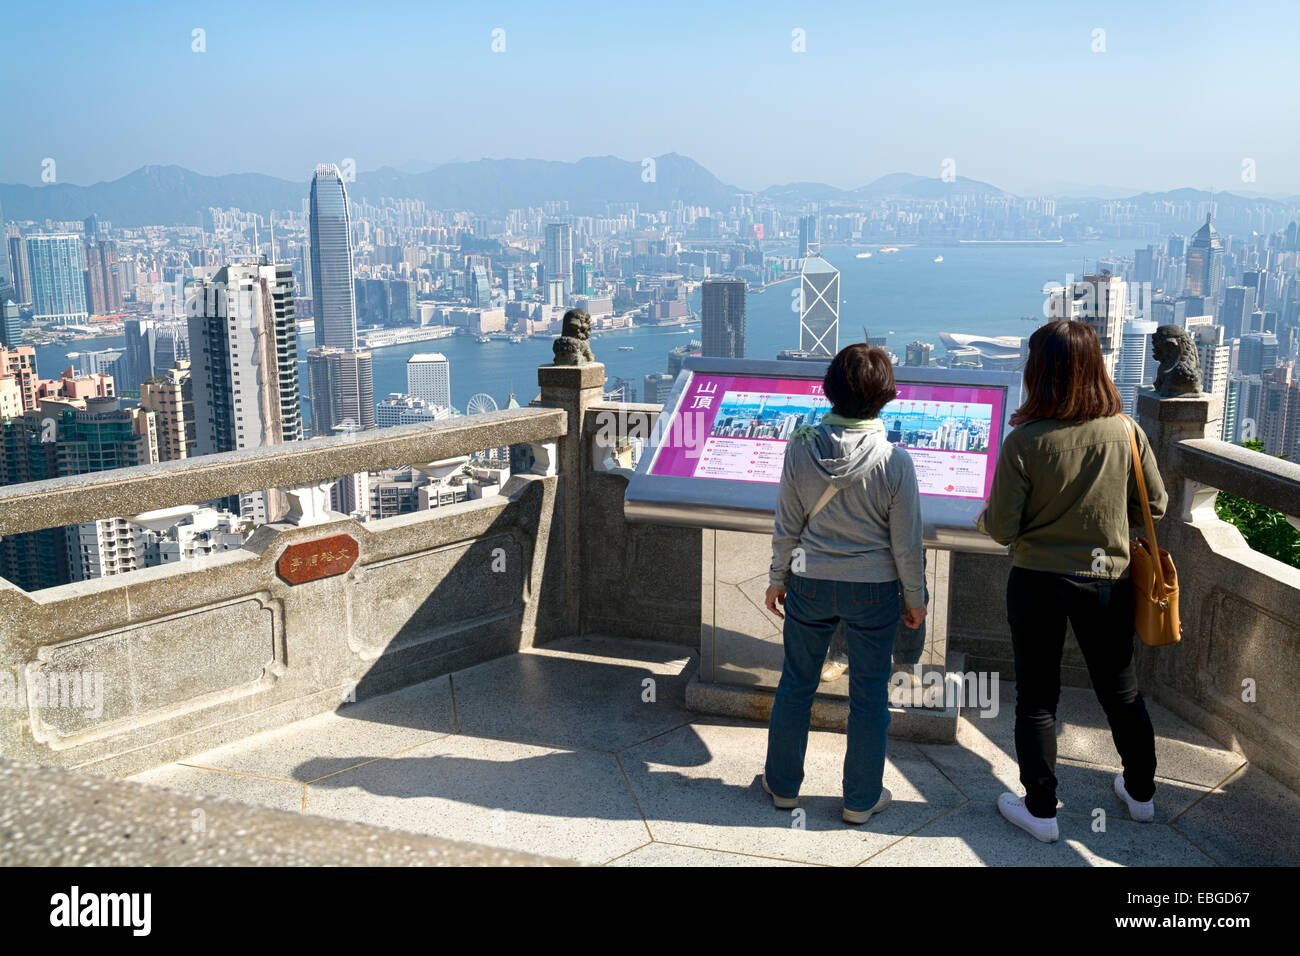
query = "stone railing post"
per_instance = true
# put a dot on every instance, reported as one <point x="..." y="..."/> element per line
<point x="573" y="388"/>
<point x="1167" y="421"/>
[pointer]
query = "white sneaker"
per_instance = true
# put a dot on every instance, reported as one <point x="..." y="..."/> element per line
<point x="781" y="803"/>
<point x="1015" y="811"/>
<point x="835" y="667"/>
<point x="862" y="816"/>
<point x="1140" y="810"/>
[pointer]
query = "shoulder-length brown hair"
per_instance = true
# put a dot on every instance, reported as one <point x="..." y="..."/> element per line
<point x="859" y="381"/>
<point x="1065" y="375"/>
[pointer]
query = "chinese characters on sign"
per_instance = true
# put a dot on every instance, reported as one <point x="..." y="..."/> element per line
<point x="322" y="558"/>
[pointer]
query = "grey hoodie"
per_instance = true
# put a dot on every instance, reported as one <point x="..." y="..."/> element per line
<point x="870" y="530"/>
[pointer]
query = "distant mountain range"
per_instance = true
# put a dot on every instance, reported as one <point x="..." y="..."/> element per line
<point x="172" y="195"/>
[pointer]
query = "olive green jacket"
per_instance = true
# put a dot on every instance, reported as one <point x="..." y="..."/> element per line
<point x="1064" y="496"/>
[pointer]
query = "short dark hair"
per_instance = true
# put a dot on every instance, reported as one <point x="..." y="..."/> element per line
<point x="860" y="381"/>
<point x="1065" y="375"/>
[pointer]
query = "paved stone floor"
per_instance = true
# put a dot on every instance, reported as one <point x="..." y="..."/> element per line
<point x="583" y="750"/>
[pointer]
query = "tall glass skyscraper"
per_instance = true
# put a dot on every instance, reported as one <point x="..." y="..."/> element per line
<point x="58" y="278"/>
<point x="333" y="304"/>
<point x="819" y="309"/>
<point x="1205" y="263"/>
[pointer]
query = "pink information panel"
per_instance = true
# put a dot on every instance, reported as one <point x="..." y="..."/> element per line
<point x="735" y="428"/>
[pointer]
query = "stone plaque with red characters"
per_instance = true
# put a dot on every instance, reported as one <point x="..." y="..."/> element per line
<point x="322" y="558"/>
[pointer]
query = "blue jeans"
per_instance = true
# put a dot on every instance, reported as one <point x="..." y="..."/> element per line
<point x="909" y="642"/>
<point x="813" y="608"/>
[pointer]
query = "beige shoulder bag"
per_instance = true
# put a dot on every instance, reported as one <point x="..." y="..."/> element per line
<point x="1155" y="580"/>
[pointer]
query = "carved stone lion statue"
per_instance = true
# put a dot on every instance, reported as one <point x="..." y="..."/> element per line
<point x="1180" y="368"/>
<point x="571" y="346"/>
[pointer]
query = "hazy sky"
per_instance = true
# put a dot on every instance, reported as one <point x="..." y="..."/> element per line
<point x="1182" y="94"/>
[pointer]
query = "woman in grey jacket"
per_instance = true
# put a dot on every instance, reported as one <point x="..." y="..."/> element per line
<point x="848" y="532"/>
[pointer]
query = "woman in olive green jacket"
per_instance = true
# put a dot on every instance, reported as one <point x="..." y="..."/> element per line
<point x="1063" y="497"/>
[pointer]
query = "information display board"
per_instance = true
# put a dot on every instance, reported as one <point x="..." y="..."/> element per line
<point x="716" y="455"/>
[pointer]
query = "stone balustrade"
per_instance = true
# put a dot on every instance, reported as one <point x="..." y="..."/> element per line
<point x="126" y="672"/>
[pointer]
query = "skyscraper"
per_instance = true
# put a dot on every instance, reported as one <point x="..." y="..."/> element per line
<point x="1257" y="281"/>
<point x="1238" y="302"/>
<point x="722" y="311"/>
<point x="58" y="281"/>
<point x="1279" y="412"/>
<point x="6" y="271"/>
<point x="557" y="262"/>
<point x="244" y="346"/>
<point x="101" y="438"/>
<point x="657" y="387"/>
<point x="20" y="269"/>
<point x="1205" y="263"/>
<point x="809" y="238"/>
<point x="171" y="399"/>
<point x="138" y="362"/>
<point x="18" y="362"/>
<point x="11" y="329"/>
<point x="72" y="437"/>
<point x="342" y="390"/>
<point x="103" y="286"/>
<point x="819" y="306"/>
<point x="1101" y="300"/>
<point x="1214" y="357"/>
<point x="333" y="305"/>
<point x="918" y="353"/>
<point x="428" y="376"/>
<point x="1258" y="353"/>
<point x="480" y="287"/>
<point x="1133" y="362"/>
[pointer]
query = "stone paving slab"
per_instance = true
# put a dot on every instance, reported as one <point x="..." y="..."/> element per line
<point x="578" y="692"/>
<point x="257" y="791"/>
<point x="56" y="817"/>
<point x="977" y="835"/>
<point x="718" y="802"/>
<point x="1183" y="753"/>
<point x="981" y="770"/>
<point x="574" y="803"/>
<point x="1251" y="820"/>
<point x="354" y="734"/>
<point x="668" y="854"/>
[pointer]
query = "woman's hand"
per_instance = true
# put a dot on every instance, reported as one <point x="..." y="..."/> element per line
<point x="914" y="616"/>
<point x="774" y="597"/>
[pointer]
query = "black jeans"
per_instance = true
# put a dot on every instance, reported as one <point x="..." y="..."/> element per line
<point x="1101" y="613"/>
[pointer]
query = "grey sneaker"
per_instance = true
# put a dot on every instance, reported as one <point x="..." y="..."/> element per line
<point x="781" y="803"/>
<point x="862" y="816"/>
<point x="834" y="668"/>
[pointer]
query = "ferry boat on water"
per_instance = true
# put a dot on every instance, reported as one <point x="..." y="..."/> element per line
<point x="889" y="250"/>
<point x="625" y="348"/>
<point x="938" y="258"/>
<point x="863" y="255"/>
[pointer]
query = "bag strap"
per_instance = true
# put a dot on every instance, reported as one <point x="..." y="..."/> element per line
<point x="1146" y="506"/>
<point x="822" y="502"/>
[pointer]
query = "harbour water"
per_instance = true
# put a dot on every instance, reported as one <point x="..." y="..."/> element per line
<point x="977" y="289"/>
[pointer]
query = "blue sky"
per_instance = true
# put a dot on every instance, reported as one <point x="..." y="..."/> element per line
<point x="1013" y="92"/>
